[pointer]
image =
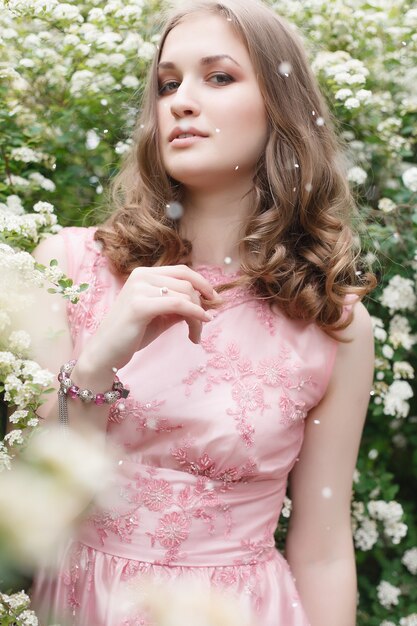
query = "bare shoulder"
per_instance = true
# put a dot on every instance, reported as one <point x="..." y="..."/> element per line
<point x="355" y="353"/>
<point x="51" y="247"/>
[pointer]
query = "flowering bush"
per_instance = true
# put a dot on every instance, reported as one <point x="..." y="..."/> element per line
<point x="70" y="81"/>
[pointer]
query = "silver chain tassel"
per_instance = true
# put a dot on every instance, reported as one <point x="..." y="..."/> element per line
<point x="62" y="409"/>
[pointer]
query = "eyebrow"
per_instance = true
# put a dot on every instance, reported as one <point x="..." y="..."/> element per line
<point x="167" y="65"/>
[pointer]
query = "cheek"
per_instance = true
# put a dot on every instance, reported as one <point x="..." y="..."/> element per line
<point x="249" y="116"/>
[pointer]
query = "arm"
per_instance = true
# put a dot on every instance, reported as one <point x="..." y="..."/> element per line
<point x="137" y="316"/>
<point x="319" y="545"/>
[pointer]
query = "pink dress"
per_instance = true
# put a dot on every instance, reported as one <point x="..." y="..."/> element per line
<point x="207" y="438"/>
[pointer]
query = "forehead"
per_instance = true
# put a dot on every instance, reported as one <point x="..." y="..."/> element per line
<point x="203" y="34"/>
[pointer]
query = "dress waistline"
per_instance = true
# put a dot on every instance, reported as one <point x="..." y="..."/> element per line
<point x="169" y="517"/>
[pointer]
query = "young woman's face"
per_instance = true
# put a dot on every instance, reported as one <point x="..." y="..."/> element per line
<point x="211" y="115"/>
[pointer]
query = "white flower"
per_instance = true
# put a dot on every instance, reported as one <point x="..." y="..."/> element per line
<point x="80" y="81"/>
<point x="385" y="511"/>
<point x="19" y="341"/>
<point x="146" y="51"/>
<point x="343" y="94"/>
<point x="14" y="437"/>
<point x="71" y="292"/>
<point x="387" y="623"/>
<point x="387" y="351"/>
<point x="28" y="618"/>
<point x="378" y="326"/>
<point x="395" y="531"/>
<point x="5" y="458"/>
<point x="364" y="95"/>
<point x="366" y="535"/>
<point x="410" y="560"/>
<point x="43" y="207"/>
<point x="356" y="79"/>
<point x="42" y="181"/>
<point x="31" y="369"/>
<point x="116" y="60"/>
<point x="400" y="333"/>
<point x="286" y="507"/>
<point x="399" y="294"/>
<point x="388" y="594"/>
<point x="395" y="400"/>
<point x="16" y="181"/>
<point x="65" y="11"/>
<point x="48" y="487"/>
<point x="357" y="175"/>
<point x="27" y="62"/>
<point x="410" y="178"/>
<point x="123" y="146"/>
<point x="386" y="205"/>
<point x="96" y="15"/>
<point x="13" y="205"/>
<point x="130" y="82"/>
<point x="352" y="103"/>
<point x="16" y="416"/>
<point x="92" y="140"/>
<point x="27" y="155"/>
<point x="53" y="273"/>
<point x="410" y="620"/>
<point x="403" y="369"/>
<point x="17" y="600"/>
<point x="107" y="40"/>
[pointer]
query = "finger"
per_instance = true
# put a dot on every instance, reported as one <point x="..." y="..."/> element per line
<point x="175" y="285"/>
<point x="178" y="304"/>
<point x="183" y="272"/>
<point x="195" y="328"/>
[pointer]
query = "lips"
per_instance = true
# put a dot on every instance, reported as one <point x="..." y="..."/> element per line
<point x="181" y="133"/>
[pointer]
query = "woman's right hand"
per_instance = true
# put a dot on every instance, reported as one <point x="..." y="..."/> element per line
<point x="141" y="312"/>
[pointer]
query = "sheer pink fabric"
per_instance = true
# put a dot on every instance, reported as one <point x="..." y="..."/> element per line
<point x="206" y="440"/>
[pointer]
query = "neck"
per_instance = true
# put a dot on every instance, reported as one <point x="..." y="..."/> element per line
<point x="213" y="222"/>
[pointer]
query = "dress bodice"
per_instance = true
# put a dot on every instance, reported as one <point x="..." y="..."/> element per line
<point x="205" y="425"/>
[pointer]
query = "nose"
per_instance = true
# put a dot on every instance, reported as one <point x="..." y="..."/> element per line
<point x="183" y="103"/>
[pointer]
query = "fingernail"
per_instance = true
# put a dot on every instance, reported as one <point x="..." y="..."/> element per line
<point x="208" y="316"/>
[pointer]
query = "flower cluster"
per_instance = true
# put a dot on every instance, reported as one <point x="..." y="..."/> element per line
<point x="365" y="520"/>
<point x="14" y="609"/>
<point x="410" y="560"/>
<point x="388" y="594"/>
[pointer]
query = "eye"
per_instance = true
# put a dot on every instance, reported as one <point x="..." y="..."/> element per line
<point x="168" y="87"/>
<point x="222" y="78"/>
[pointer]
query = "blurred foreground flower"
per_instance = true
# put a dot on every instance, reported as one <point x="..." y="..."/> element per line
<point x="188" y="603"/>
<point x="48" y="488"/>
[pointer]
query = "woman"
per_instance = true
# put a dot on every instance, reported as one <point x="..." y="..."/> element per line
<point x="274" y="376"/>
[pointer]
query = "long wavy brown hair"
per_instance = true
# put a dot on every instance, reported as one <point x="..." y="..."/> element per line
<point x="299" y="249"/>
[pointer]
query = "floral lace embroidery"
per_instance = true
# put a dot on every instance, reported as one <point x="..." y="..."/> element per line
<point x="85" y="312"/>
<point x="232" y="368"/>
<point x="200" y="501"/>
<point x="112" y="521"/>
<point x="206" y="466"/>
<point x="245" y="378"/>
<point x="145" y="415"/>
<point x="80" y="564"/>
<point x="133" y="568"/>
<point x="217" y="276"/>
<point x="264" y="314"/>
<point x="264" y="547"/>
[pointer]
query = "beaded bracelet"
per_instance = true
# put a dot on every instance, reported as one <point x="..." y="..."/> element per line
<point x="67" y="388"/>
